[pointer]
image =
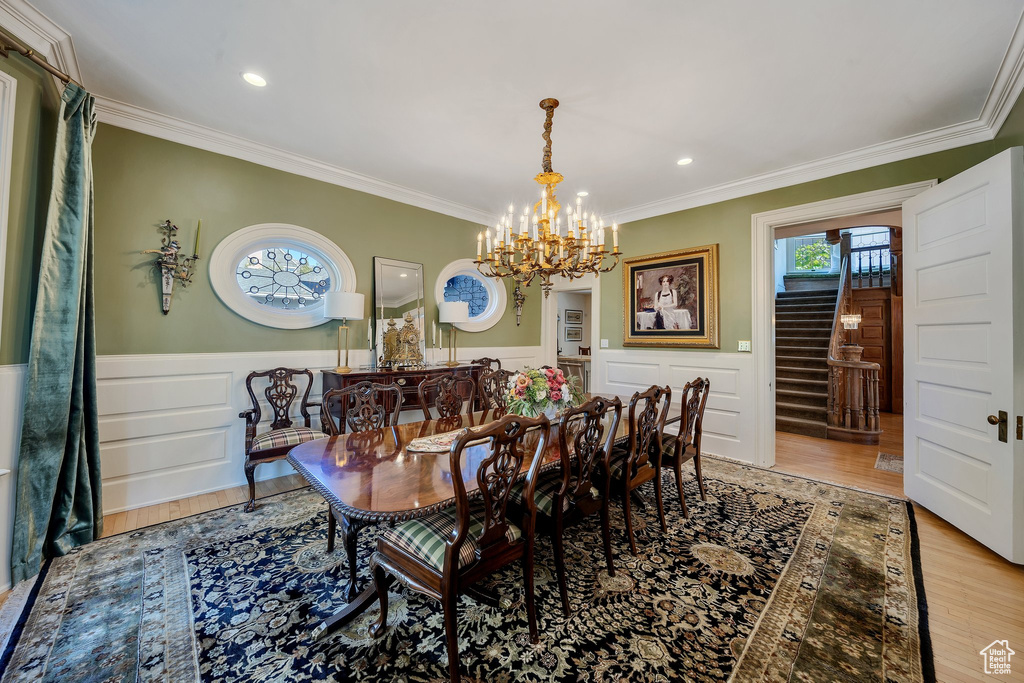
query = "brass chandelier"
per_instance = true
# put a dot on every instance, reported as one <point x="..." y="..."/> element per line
<point x="547" y="250"/>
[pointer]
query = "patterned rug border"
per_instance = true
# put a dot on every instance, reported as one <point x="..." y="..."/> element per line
<point x="924" y="634"/>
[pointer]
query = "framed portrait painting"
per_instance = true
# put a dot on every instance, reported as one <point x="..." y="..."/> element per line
<point x="671" y="299"/>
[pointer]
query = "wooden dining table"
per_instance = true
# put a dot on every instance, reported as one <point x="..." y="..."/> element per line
<point x="372" y="478"/>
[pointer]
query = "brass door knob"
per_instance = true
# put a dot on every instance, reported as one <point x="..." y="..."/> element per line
<point x="1000" y="420"/>
<point x="993" y="420"/>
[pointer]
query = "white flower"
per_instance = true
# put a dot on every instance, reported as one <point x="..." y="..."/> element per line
<point x="542" y="394"/>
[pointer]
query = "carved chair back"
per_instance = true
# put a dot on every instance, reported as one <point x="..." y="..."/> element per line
<point x="489" y="363"/>
<point x="647" y="413"/>
<point x="496" y="452"/>
<point x="695" y="398"/>
<point x="583" y="427"/>
<point x="494" y="388"/>
<point x="584" y="350"/>
<point x="280" y="392"/>
<point x="361" y="407"/>
<point x="448" y="394"/>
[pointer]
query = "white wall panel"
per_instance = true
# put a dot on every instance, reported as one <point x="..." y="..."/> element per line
<point x="12" y="381"/>
<point x="728" y="418"/>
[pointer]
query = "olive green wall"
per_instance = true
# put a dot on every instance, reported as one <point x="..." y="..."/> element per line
<point x="728" y="224"/>
<point x="35" y="125"/>
<point x="141" y="180"/>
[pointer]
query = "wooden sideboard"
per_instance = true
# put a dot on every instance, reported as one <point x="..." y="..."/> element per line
<point x="408" y="380"/>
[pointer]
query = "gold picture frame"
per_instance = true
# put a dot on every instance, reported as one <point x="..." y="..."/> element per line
<point x="671" y="299"/>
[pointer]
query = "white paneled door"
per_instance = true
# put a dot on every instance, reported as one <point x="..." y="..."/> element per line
<point x="962" y="278"/>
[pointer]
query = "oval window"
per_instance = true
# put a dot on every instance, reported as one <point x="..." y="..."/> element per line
<point x="276" y="274"/>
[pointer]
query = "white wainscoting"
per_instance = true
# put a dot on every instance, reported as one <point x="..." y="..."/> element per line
<point x="12" y="381"/>
<point x="728" y="418"/>
<point x="169" y="425"/>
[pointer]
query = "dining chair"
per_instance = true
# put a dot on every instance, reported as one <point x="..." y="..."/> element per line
<point x="584" y="350"/>
<point x="490" y="363"/>
<point x="444" y="554"/>
<point x="631" y="466"/>
<point x="447" y="394"/>
<point x="493" y="389"/>
<point x="280" y="389"/>
<point x="359" y="408"/>
<point x="685" y="445"/>
<point x="566" y="496"/>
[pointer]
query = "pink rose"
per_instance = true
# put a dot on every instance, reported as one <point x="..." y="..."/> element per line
<point x="522" y="381"/>
<point x="556" y="395"/>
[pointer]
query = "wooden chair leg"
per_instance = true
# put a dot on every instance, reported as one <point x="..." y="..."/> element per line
<point x="531" y="607"/>
<point x="679" y="484"/>
<point x="451" y="632"/>
<point x="657" y="496"/>
<point x="250" y="475"/>
<point x="380" y="582"/>
<point x="700" y="477"/>
<point x="332" y="527"/>
<point x="556" y="540"/>
<point x="627" y="506"/>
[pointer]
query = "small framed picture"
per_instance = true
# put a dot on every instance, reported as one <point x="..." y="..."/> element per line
<point x="573" y="317"/>
<point x="574" y="334"/>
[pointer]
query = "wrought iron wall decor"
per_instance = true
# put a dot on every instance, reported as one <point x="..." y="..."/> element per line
<point x="171" y="264"/>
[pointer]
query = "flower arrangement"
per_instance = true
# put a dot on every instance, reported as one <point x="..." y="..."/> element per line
<point x="546" y="391"/>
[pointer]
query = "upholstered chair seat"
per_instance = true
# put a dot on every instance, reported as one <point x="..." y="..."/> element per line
<point x="425" y="538"/>
<point x="548" y="485"/>
<point x="286" y="436"/>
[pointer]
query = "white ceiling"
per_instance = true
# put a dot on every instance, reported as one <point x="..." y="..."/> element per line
<point x="441" y="97"/>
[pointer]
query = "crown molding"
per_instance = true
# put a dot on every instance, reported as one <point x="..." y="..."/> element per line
<point x="157" y="125"/>
<point x="1006" y="88"/>
<point x="41" y="34"/>
<point x="52" y="41"/>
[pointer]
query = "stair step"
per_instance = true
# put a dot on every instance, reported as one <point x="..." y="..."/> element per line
<point x="795" y="425"/>
<point x="787" y="373"/>
<point x="804" y="324"/>
<point x="804" y="412"/>
<point x="822" y="307"/>
<point x="814" y="399"/>
<point x="820" y="386"/>
<point x="802" y="293"/>
<point x="825" y="316"/>
<point x="801" y="340"/>
<point x="820" y="333"/>
<point x="805" y="301"/>
<point x="801" y="352"/>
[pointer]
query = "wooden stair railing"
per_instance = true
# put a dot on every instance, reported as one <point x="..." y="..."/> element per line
<point x="852" y="383"/>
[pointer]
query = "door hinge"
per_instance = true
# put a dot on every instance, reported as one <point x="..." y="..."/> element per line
<point x="1020" y="428"/>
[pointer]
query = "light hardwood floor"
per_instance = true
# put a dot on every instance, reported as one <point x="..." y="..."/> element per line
<point x="974" y="596"/>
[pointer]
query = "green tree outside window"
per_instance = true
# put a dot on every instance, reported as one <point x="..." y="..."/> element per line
<point x="813" y="256"/>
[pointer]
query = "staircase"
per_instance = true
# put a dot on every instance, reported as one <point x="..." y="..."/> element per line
<point x="803" y="324"/>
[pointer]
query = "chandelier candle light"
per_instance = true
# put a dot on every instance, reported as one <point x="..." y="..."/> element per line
<point x="546" y="250"/>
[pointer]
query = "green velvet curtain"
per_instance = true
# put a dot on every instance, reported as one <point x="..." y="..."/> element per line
<point x="58" y="486"/>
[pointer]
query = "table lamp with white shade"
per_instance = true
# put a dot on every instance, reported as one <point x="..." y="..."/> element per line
<point x="343" y="306"/>
<point x="453" y="312"/>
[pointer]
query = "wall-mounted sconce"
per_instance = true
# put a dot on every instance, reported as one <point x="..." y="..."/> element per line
<point x="172" y="266"/>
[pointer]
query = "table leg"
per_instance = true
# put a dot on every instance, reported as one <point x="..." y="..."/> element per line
<point x="488" y="597"/>
<point x="350" y="537"/>
<point x="346" y="616"/>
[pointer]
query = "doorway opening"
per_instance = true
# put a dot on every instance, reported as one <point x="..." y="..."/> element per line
<point x="573" y="335"/>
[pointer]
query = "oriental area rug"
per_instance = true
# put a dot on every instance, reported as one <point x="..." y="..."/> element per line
<point x="773" y="578"/>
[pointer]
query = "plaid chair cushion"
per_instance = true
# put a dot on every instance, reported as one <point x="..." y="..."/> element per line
<point x="289" y="436"/>
<point x="426" y="537"/>
<point x="617" y="463"/>
<point x="544" y="495"/>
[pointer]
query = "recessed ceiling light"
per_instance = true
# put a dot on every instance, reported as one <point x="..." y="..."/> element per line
<point x="685" y="161"/>
<point x="403" y="275"/>
<point x="584" y="193"/>
<point x="254" y="79"/>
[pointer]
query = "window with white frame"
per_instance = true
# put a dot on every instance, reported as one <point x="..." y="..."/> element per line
<point x="276" y="274"/>
<point x="811" y="254"/>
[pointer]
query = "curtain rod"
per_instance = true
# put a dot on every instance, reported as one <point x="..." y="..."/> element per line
<point x="8" y="43"/>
